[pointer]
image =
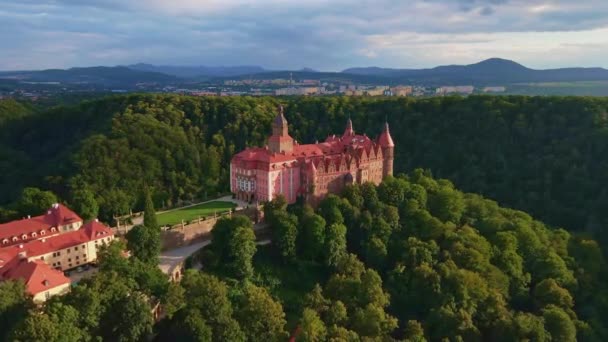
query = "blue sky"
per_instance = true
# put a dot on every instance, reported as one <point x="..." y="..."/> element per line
<point x="321" y="34"/>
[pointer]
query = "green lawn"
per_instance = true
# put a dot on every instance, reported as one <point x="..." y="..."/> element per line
<point x="191" y="213"/>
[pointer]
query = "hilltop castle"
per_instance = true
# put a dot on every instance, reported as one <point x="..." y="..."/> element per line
<point x="310" y="171"/>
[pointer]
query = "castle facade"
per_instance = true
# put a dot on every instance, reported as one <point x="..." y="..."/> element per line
<point x="310" y="171"/>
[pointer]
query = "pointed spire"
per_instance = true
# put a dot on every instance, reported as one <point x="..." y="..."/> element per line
<point x="349" y="131"/>
<point x="280" y="118"/>
<point x="385" y="139"/>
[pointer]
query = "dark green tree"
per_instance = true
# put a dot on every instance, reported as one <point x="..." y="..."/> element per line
<point x="84" y="203"/>
<point x="260" y="316"/>
<point x="145" y="243"/>
<point x="14" y="306"/>
<point x="34" y="201"/>
<point x="150" y="220"/>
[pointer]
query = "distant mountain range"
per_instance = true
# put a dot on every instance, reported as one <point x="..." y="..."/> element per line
<point x="494" y="71"/>
<point x="490" y="71"/>
<point x="117" y="76"/>
<point x="199" y="71"/>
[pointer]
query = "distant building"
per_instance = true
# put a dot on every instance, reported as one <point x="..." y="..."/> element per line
<point x="456" y="89"/>
<point x="309" y="171"/>
<point x="494" y="89"/>
<point x="376" y="91"/>
<point x="401" y="91"/>
<point x="297" y="91"/>
<point x="38" y="249"/>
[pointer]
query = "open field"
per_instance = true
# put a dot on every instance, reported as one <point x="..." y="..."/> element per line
<point x="582" y="88"/>
<point x="191" y="213"/>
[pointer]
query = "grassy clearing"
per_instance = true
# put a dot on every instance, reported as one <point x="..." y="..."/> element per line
<point x="191" y="213"/>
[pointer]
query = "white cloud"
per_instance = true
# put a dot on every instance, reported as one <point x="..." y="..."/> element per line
<point x="322" y="34"/>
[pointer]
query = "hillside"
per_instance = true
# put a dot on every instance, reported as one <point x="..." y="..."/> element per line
<point x="544" y="155"/>
<point x="103" y="76"/>
<point x="413" y="259"/>
<point x="490" y="71"/>
<point x="198" y="71"/>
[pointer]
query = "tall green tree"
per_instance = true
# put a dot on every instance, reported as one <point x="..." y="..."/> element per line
<point x="34" y="201"/>
<point x="150" y="219"/>
<point x="233" y="246"/>
<point x="260" y="316"/>
<point x="335" y="244"/>
<point x="84" y="203"/>
<point x="145" y="243"/>
<point x="312" y="328"/>
<point x="14" y="305"/>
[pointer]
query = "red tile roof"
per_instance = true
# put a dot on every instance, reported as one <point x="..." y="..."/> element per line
<point x="385" y="139"/>
<point x="91" y="231"/>
<point x="41" y="225"/>
<point x="37" y="275"/>
<point x="333" y="146"/>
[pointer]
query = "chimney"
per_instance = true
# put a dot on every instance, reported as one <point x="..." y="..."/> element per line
<point x="29" y="216"/>
<point x="96" y="220"/>
<point x="45" y="282"/>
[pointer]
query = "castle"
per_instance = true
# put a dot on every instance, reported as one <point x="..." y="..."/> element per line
<point x="310" y="171"/>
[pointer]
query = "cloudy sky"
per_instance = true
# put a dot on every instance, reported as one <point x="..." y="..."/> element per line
<point x="321" y="34"/>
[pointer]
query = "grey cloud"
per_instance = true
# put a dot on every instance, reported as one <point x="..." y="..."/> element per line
<point x="316" y="33"/>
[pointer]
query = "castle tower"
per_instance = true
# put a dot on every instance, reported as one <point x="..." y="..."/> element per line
<point x="280" y="141"/>
<point x="388" y="149"/>
<point x="349" y="131"/>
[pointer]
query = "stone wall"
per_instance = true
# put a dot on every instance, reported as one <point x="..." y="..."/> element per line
<point x="183" y="235"/>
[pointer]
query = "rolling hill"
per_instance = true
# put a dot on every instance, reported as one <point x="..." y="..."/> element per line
<point x="490" y="71"/>
<point x="104" y="76"/>
<point x="198" y="71"/>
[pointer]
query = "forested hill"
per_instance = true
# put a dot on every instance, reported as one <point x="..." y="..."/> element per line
<point x="544" y="155"/>
<point x="413" y="259"/>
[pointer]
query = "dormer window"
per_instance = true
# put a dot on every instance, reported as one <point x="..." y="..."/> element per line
<point x="15" y="239"/>
<point x="5" y="241"/>
<point x="24" y="237"/>
<point x="42" y="232"/>
<point x="34" y="234"/>
<point x="53" y="230"/>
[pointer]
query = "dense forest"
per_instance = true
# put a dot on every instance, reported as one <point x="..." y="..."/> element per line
<point x="413" y="259"/>
<point x="543" y="155"/>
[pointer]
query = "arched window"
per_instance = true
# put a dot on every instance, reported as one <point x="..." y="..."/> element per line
<point x="53" y="230"/>
<point x="5" y="241"/>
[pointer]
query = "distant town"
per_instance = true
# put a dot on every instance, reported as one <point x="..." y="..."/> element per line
<point x="491" y="76"/>
<point x="250" y="87"/>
